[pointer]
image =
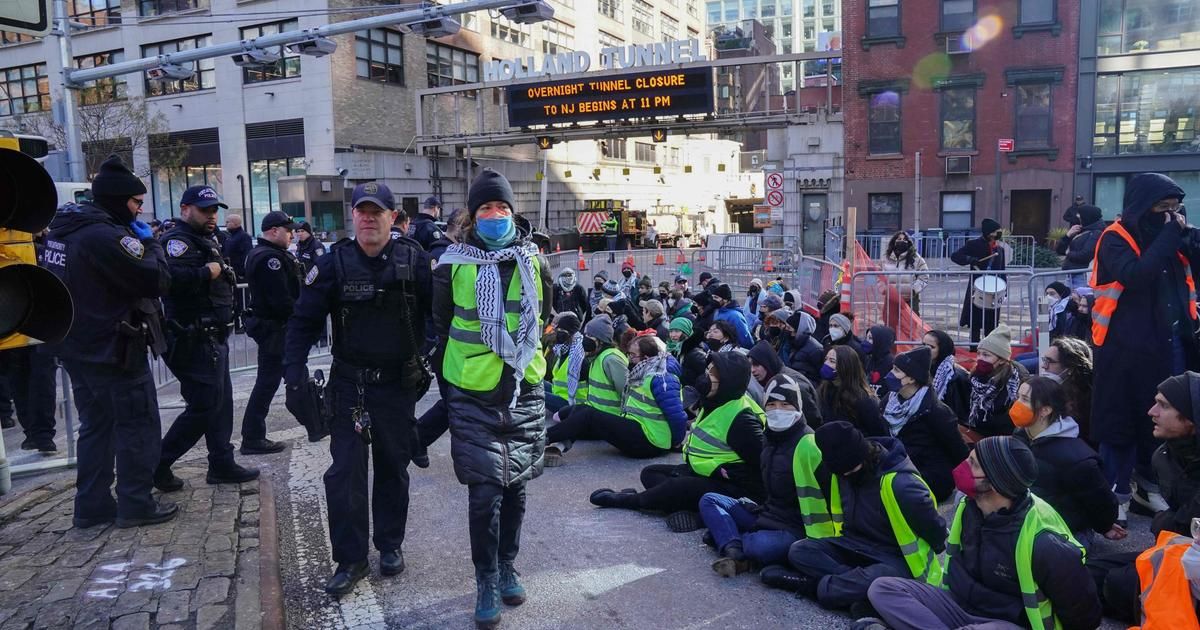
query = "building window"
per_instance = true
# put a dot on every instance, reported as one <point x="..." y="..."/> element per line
<point x="957" y="15"/>
<point x="883" y="126"/>
<point x="1033" y="116"/>
<point x="163" y="7"/>
<point x="24" y="90"/>
<point x="96" y="12"/>
<point x="1110" y="190"/>
<point x="883" y="18"/>
<point x="1134" y="26"/>
<point x="512" y="33"/>
<point x="205" y="69"/>
<point x="669" y="27"/>
<point x="714" y="12"/>
<point x="692" y="8"/>
<point x="379" y="55"/>
<point x="610" y="41"/>
<point x="167" y="186"/>
<point x="1151" y="111"/>
<point x="645" y="152"/>
<point x="1037" y="12"/>
<point x="884" y="211"/>
<point x="450" y="66"/>
<point x="557" y="37"/>
<point x="643" y="17"/>
<point x="958" y="119"/>
<point x="613" y="149"/>
<point x="9" y="37"/>
<point x="264" y="182"/>
<point x="611" y="9"/>
<point x="102" y="90"/>
<point x="958" y="210"/>
<point x="286" y="67"/>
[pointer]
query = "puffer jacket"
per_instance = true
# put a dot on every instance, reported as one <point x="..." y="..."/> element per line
<point x="1177" y="465"/>
<point x="669" y="396"/>
<point x="933" y="443"/>
<point x="1070" y="477"/>
<point x="807" y="353"/>
<point x="781" y="511"/>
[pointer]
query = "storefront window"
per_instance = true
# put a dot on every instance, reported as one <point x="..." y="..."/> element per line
<point x="264" y="184"/>
<point x="1110" y="190"/>
<point x="169" y="184"/>
<point x="1147" y="112"/>
<point x="1133" y="26"/>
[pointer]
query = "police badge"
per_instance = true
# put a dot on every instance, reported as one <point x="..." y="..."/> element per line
<point x="175" y="248"/>
<point x="133" y="247"/>
<point x="311" y="277"/>
<point x="274" y="265"/>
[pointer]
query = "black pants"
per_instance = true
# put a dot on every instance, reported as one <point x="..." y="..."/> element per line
<point x="118" y="420"/>
<point x="6" y="405"/>
<point x="580" y="422"/>
<point x="983" y="319"/>
<point x="1118" y="584"/>
<point x="495" y="514"/>
<point x="671" y="488"/>
<point x="31" y="375"/>
<point x="391" y="412"/>
<point x="201" y="364"/>
<point x="269" y="338"/>
<point x="435" y="421"/>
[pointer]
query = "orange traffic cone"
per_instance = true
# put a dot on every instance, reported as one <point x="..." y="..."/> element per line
<point x="681" y="259"/>
<point x="769" y="266"/>
<point x="557" y="247"/>
<point x="582" y="262"/>
<point x="629" y="256"/>
<point x="659" y="260"/>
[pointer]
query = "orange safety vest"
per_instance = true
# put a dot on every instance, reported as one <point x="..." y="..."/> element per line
<point x="1166" y="594"/>
<point x="1107" y="294"/>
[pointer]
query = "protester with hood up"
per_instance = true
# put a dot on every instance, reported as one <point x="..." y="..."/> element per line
<point x="1078" y="245"/>
<point x="807" y="353"/>
<point x="1069" y="476"/>
<point x="890" y="524"/>
<point x="791" y="299"/>
<point x="843" y="393"/>
<point x="1058" y="296"/>
<point x="925" y="425"/>
<point x="828" y="305"/>
<point x="1146" y="259"/>
<point x="567" y="386"/>
<point x="569" y="297"/>
<point x="623" y="307"/>
<point x="992" y="568"/>
<point x="1177" y="461"/>
<point x="745" y="533"/>
<point x="765" y="365"/>
<point x="750" y="306"/>
<point x="841" y="333"/>
<point x="728" y="418"/>
<point x="880" y="348"/>
<point x="767" y="304"/>
<point x="728" y="311"/>
<point x="985" y="253"/>
<point x="596" y="293"/>
<point x="951" y="382"/>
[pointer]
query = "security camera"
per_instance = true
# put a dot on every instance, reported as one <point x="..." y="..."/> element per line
<point x="318" y="47"/>
<point x="436" y="27"/>
<point x="529" y="12"/>
<point x="343" y="172"/>
<point x="256" y="57"/>
<point x="170" y="72"/>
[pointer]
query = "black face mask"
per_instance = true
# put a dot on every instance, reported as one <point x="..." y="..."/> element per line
<point x="753" y="291"/>
<point x="589" y="345"/>
<point x="626" y="273"/>
<point x="774" y="332"/>
<point x="562" y="336"/>
<point x="599" y="285"/>
<point x="1150" y="225"/>
<point x="901" y="247"/>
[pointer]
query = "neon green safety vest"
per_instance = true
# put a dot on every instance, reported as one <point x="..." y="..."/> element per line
<point x="468" y="363"/>
<point x="642" y="408"/>
<point x="559" y="386"/>
<point x="1041" y="517"/>
<point x="824" y="520"/>
<point x="706" y="448"/>
<point x="602" y="394"/>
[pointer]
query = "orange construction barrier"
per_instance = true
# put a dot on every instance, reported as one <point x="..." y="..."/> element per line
<point x="769" y="266"/>
<point x="659" y="260"/>
<point x="582" y="262"/>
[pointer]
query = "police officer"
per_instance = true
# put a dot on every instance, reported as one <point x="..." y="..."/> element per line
<point x="377" y="286"/>
<point x="274" y="276"/>
<point x="116" y="272"/>
<point x="423" y="229"/>
<point x="308" y="247"/>
<point x="200" y="313"/>
<point x="400" y="225"/>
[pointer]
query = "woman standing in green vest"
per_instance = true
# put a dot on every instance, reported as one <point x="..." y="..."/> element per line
<point x="491" y="296"/>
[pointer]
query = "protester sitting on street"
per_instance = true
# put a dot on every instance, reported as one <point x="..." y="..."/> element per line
<point x="645" y="290"/>
<point x="663" y="292"/>
<point x="651" y="421"/>
<point x="1069" y="475"/>
<point x="746" y="533"/>
<point x="607" y="372"/>
<point x="1069" y="361"/>
<point x="901" y="255"/>
<point x="628" y="281"/>
<point x="791" y="299"/>
<point x="1058" y="296"/>
<point x="889" y="524"/>
<point x="844" y="395"/>
<point x="925" y="425"/>
<point x="692" y="362"/>
<point x="1177" y="461"/>
<point x="569" y="296"/>
<point x="750" y="306"/>
<point x="1078" y="245"/>
<point x="596" y="293"/>
<point x="721" y="453"/>
<point x="951" y="382"/>
<point x="1079" y="315"/>
<point x="778" y="332"/>
<point x="1010" y="562"/>
<point x="775" y="287"/>
<point x="721" y="337"/>
<point x="679" y="305"/>
<point x="767" y="304"/>
<point x="841" y="333"/>
<point x="681" y="285"/>
<point x="807" y="353"/>
<point x="994" y="383"/>
<point x="880" y="348"/>
<point x="653" y="318"/>
<point x="566" y="386"/>
<point x="728" y="311"/>
<point x="765" y="365"/>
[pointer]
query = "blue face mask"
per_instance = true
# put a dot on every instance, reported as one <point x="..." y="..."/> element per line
<point x="496" y="233"/>
<point x="892" y="383"/>
<point x="828" y="373"/>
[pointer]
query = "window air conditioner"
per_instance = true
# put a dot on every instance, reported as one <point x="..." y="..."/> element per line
<point x="958" y="165"/>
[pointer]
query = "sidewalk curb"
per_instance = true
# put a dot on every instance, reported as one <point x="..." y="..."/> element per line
<point x="269" y="576"/>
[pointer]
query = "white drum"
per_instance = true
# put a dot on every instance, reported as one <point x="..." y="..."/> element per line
<point x="988" y="291"/>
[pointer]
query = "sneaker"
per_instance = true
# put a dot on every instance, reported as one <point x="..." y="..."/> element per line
<point x="553" y="457"/>
<point x="487" y="601"/>
<point x="684" y="521"/>
<point x="1153" y="502"/>
<point x="511" y="591"/>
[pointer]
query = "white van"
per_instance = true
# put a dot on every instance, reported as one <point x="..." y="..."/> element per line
<point x="72" y="192"/>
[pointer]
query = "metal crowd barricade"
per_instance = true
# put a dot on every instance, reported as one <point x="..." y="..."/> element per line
<point x="644" y="263"/>
<point x="737" y="266"/>
<point x="813" y="277"/>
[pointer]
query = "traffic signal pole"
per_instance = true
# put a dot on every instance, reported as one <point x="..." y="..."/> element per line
<point x="70" y="118"/>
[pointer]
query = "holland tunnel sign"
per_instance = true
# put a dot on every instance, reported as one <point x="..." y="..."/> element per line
<point x="642" y="95"/>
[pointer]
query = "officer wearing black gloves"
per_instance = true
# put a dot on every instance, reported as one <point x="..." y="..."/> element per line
<point x="200" y="316"/>
<point x="274" y="276"/>
<point x="377" y="287"/>
<point x="116" y="272"/>
<point x="308" y="247"/>
<point x="423" y="229"/>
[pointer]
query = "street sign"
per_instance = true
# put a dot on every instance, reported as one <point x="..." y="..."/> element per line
<point x="545" y="143"/>
<point x="1005" y="145"/>
<point x="31" y="17"/>
<point x="762" y="216"/>
<point x="774" y="181"/>
<point x="775" y="198"/>
<point x="659" y="135"/>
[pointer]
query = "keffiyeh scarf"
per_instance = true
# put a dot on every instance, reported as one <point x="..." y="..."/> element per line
<point x="1056" y="309"/>
<point x="574" y="352"/>
<point x="983" y="398"/>
<point x="519" y="351"/>
<point x="650" y="366"/>
<point x="898" y="412"/>
<point x="941" y="378"/>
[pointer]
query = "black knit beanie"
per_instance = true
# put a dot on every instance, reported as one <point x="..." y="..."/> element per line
<point x="1008" y="464"/>
<point x="1178" y="391"/>
<point x="490" y="186"/>
<point x="915" y="363"/>
<point x="842" y="446"/>
<point x="116" y="180"/>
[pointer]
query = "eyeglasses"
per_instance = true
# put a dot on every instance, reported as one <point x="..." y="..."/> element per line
<point x="139" y="202"/>
<point x="1049" y="361"/>
<point x="1167" y="206"/>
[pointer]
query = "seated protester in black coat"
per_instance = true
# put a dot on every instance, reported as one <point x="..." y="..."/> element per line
<point x="765" y="364"/>
<point x="950" y="381"/>
<point x="745" y="533"/>
<point x="841" y="333"/>
<point x="880" y="348"/>
<point x="693" y="362"/>
<point x="807" y="353"/>
<point x="925" y="425"/>
<point x="844" y="394"/>
<point x="1070" y="477"/>
<point x="1177" y="461"/>
<point x="981" y="582"/>
<point x="994" y="385"/>
<point x="728" y="416"/>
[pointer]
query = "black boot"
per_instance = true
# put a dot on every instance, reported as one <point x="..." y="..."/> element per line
<point x="783" y="578"/>
<point x="487" y="600"/>
<point x="165" y="480"/>
<point x="162" y="513"/>
<point x="606" y="497"/>
<point x="347" y="575"/>
<point x="231" y="473"/>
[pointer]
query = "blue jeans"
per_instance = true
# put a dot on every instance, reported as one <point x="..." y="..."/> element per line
<point x="728" y="520"/>
<point x="1118" y="462"/>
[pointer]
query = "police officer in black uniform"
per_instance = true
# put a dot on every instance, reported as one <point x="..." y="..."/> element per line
<point x="377" y="289"/>
<point x="308" y="247"/>
<point x="116" y="272"/>
<point x="200" y="317"/>
<point x="274" y="276"/>
<point x="423" y="229"/>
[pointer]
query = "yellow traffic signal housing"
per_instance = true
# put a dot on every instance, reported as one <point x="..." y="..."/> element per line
<point x="34" y="304"/>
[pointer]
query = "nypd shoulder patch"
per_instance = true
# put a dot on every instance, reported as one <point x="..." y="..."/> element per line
<point x="274" y="265"/>
<point x="318" y="253"/>
<point x="311" y="277"/>
<point x="133" y="247"/>
<point x="176" y="248"/>
<point x="437" y="234"/>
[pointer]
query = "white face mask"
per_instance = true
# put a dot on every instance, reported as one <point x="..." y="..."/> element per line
<point x="836" y="333"/>
<point x="1057" y="378"/>
<point x="782" y="419"/>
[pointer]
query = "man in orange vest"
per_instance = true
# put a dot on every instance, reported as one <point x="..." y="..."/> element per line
<point x="1144" y="323"/>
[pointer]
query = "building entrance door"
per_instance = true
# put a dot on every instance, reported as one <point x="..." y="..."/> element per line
<point x="1030" y="213"/>
<point x="815" y="209"/>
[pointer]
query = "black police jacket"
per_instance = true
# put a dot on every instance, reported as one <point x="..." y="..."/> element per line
<point x="274" y="275"/>
<point x="236" y="248"/>
<point x="424" y="231"/>
<point x="309" y="251"/>
<point x="196" y="297"/>
<point x="113" y="277"/>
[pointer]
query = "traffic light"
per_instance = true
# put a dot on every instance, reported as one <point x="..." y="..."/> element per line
<point x="34" y="304"/>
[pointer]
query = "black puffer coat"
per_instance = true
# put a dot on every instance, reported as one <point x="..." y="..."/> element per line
<point x="933" y="443"/>
<point x="1177" y="465"/>
<point x="1070" y="478"/>
<point x="491" y="443"/>
<point x="782" y="508"/>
